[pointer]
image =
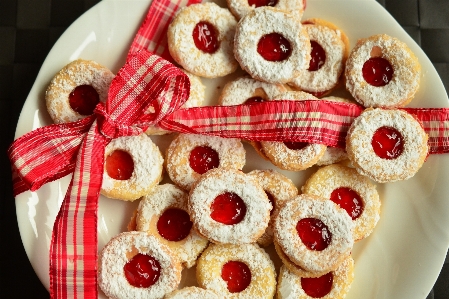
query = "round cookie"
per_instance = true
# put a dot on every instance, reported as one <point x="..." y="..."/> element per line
<point x="76" y="89"/>
<point x="135" y="265"/>
<point x="279" y="190"/>
<point x="163" y="213"/>
<point x="328" y="57"/>
<point x="133" y="166"/>
<point x="382" y="71"/>
<point x="272" y="45"/>
<point x="351" y="191"/>
<point x="201" y="39"/>
<point x="386" y="145"/>
<point x="237" y="271"/>
<point x="314" y="233"/>
<point x="189" y="156"/>
<point x="332" y="285"/>
<point x="241" y="8"/>
<point x="229" y="207"/>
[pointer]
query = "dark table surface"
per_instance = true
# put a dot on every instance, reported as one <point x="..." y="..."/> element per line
<point x="28" y="30"/>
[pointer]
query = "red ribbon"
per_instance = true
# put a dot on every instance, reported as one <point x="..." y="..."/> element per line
<point x="146" y="80"/>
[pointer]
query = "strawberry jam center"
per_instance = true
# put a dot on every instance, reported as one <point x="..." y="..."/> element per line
<point x="349" y="200"/>
<point x="203" y="158"/>
<point x="237" y="275"/>
<point x="314" y="233"/>
<point x="377" y="71"/>
<point x="205" y="37"/>
<point x="318" y="56"/>
<point x="317" y="287"/>
<point x="274" y="47"/>
<point x="296" y="145"/>
<point x="83" y="99"/>
<point x="174" y="224"/>
<point x="119" y="165"/>
<point x="387" y="143"/>
<point x="142" y="271"/>
<point x="253" y="100"/>
<point x="228" y="208"/>
<point x="258" y="3"/>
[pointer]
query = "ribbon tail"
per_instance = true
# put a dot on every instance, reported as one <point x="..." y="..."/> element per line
<point x="73" y="253"/>
<point x="322" y="122"/>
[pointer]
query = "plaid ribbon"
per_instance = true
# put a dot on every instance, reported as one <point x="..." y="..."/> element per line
<point x="145" y="81"/>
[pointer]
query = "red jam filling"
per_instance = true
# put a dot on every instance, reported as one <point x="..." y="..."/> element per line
<point x="253" y="100"/>
<point x="142" y="271"/>
<point x="237" y="275"/>
<point x="203" y="159"/>
<point x="274" y="47"/>
<point x="314" y="233"/>
<point x="296" y="145"/>
<point x="83" y="99"/>
<point x="119" y="165"/>
<point x="174" y="224"/>
<point x="377" y="71"/>
<point x="228" y="208"/>
<point x="349" y="200"/>
<point x="205" y="37"/>
<point x="258" y="3"/>
<point x="387" y="143"/>
<point x="318" y="56"/>
<point x="317" y="287"/>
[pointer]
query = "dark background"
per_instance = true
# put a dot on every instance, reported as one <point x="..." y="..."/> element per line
<point x="28" y="30"/>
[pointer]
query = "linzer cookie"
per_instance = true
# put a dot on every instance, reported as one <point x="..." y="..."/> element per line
<point x="241" y="8"/>
<point x="76" y="89"/>
<point x="350" y="190"/>
<point x="163" y="214"/>
<point x="382" y="71"/>
<point x="189" y="156"/>
<point x="314" y="233"/>
<point x="279" y="190"/>
<point x="228" y="206"/>
<point x="201" y="38"/>
<point x="386" y="145"/>
<point x="237" y="271"/>
<point x="272" y="45"/>
<point x="133" y="166"/>
<point x="328" y="58"/>
<point x="136" y="265"/>
<point x="332" y="285"/>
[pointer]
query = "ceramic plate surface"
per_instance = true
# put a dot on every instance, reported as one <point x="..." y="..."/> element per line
<point x="401" y="259"/>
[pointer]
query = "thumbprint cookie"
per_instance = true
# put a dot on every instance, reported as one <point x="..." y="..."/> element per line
<point x="288" y="155"/>
<point x="382" y="71"/>
<point x="332" y="285"/>
<point x="132" y="167"/>
<point x="314" y="233"/>
<point x="279" y="189"/>
<point x="241" y="8"/>
<point x="163" y="214"/>
<point x="237" y="271"/>
<point x="386" y="145"/>
<point x="350" y="190"/>
<point x="136" y="265"/>
<point x="196" y="98"/>
<point x="192" y="293"/>
<point x="228" y="206"/>
<point x="271" y="45"/>
<point x="189" y="156"/>
<point x="328" y="56"/>
<point x="201" y="40"/>
<point x="76" y="89"/>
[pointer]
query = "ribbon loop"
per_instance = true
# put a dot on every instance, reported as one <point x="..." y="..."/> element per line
<point x="111" y="128"/>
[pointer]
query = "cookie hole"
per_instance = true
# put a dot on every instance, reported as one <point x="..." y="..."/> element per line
<point x="119" y="165"/>
<point x="314" y="234"/>
<point x="318" y="287"/>
<point x="296" y="146"/>
<point x="203" y="159"/>
<point x="349" y="200"/>
<point x="387" y="143"/>
<point x="205" y="36"/>
<point x="377" y="71"/>
<point x="237" y="276"/>
<point x="318" y="56"/>
<point x="274" y="47"/>
<point x="228" y="208"/>
<point x="142" y="271"/>
<point x="174" y="224"/>
<point x="83" y="99"/>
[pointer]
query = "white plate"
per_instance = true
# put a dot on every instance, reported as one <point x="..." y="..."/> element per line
<point x="401" y="259"/>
